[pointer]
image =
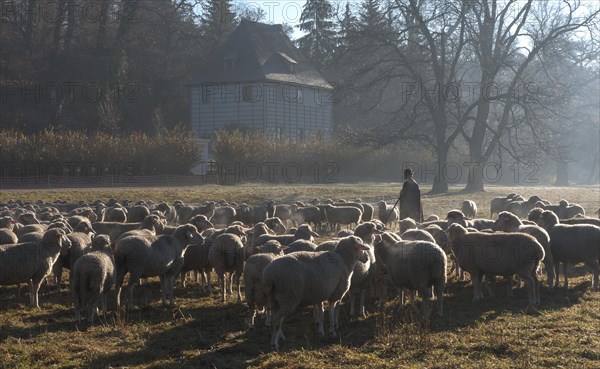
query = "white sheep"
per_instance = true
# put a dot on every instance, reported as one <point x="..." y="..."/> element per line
<point x="309" y="278"/>
<point x="578" y="243"/>
<point x="388" y="214"/>
<point x="414" y="265"/>
<point x="469" y="208"/>
<point x="93" y="276"/>
<point x="508" y="222"/>
<point x="253" y="289"/>
<point x="148" y="257"/>
<point x="226" y="255"/>
<point x="31" y="262"/>
<point x="566" y="210"/>
<point x="493" y="254"/>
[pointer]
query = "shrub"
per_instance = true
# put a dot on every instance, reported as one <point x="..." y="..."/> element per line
<point x="175" y="151"/>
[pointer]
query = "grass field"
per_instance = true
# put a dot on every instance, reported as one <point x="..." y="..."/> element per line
<point x="203" y="333"/>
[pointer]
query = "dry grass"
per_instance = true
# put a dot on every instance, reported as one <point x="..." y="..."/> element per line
<point x="202" y="333"/>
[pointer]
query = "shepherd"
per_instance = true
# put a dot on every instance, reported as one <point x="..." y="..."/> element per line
<point x="410" y="198"/>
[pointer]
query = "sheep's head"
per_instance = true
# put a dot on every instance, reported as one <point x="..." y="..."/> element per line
<point x="354" y="245"/>
<point x="382" y="204"/>
<point x="455" y="230"/>
<point x="457" y="216"/>
<point x="406" y="224"/>
<point x="57" y="237"/>
<point x="271" y="246"/>
<point x="432" y="218"/>
<point x="191" y="233"/>
<point x="563" y="203"/>
<point x="305" y="232"/>
<point x="534" y="214"/>
<point x="237" y="230"/>
<point x="84" y="227"/>
<point x="506" y="222"/>
<point x="315" y="201"/>
<point x="7" y="222"/>
<point x="345" y="233"/>
<point x="201" y="222"/>
<point x="101" y="242"/>
<point x="28" y="218"/>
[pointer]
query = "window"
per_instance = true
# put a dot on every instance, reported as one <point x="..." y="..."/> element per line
<point x="228" y="64"/>
<point x="319" y="96"/>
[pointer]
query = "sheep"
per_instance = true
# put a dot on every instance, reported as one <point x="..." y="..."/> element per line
<point x="497" y="205"/>
<point x="114" y="229"/>
<point x="406" y="224"/>
<point x="269" y="247"/>
<point x="253" y="289"/>
<point x="93" y="277"/>
<point x="566" y="210"/>
<point x="584" y="220"/>
<point x="27" y="219"/>
<point x="7" y="236"/>
<point x="137" y="213"/>
<point x="281" y="211"/>
<point x="387" y="213"/>
<point x="309" y="278"/>
<point x="341" y="215"/>
<point x="439" y="235"/>
<point x="299" y="245"/>
<point x="226" y="255"/>
<point x="469" y="208"/>
<point x="578" y="243"/>
<point x="80" y="239"/>
<point x="345" y="233"/>
<point x="508" y="222"/>
<point x="31" y="228"/>
<point x="170" y="212"/>
<point x="223" y="215"/>
<point x="432" y="217"/>
<point x="148" y="257"/>
<point x="304" y="232"/>
<point x="417" y="235"/>
<point x="150" y="226"/>
<point x="363" y="273"/>
<point x="251" y="214"/>
<point x="307" y="214"/>
<point x="186" y="212"/>
<point x="415" y="265"/>
<point x="196" y="257"/>
<point x="275" y="224"/>
<point x="534" y="214"/>
<point x="494" y="254"/>
<point x="116" y="213"/>
<point x="31" y="262"/>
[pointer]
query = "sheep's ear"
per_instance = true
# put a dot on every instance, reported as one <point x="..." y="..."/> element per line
<point x="190" y="234"/>
<point x="362" y="247"/>
<point x="376" y="231"/>
<point x="314" y="234"/>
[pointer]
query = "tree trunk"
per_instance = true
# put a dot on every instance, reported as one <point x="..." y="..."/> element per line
<point x="440" y="184"/>
<point x="562" y="174"/>
<point x="475" y="179"/>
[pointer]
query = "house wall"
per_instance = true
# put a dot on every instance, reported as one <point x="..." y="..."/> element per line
<point x="283" y="111"/>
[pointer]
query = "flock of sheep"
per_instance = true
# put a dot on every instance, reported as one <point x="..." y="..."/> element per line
<point x="272" y="246"/>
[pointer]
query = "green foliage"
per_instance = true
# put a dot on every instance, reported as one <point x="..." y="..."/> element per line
<point x="174" y="151"/>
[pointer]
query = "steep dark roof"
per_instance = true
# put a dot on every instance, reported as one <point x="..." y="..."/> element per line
<point x="263" y="53"/>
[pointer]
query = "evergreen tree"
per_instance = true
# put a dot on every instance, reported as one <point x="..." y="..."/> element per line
<point x="348" y="30"/>
<point x="320" y="41"/>
<point x="218" y="21"/>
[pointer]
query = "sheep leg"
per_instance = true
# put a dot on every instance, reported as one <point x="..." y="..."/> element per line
<point x="557" y="274"/>
<point x="231" y="283"/>
<point x="208" y="276"/>
<point x="595" y="266"/>
<point x="171" y="286"/>
<point x="35" y="285"/>
<point x="476" y="279"/>
<point x="332" y="305"/>
<point x="133" y="280"/>
<point x="529" y="282"/>
<point x="182" y="278"/>
<point x="277" y="332"/>
<point x="361" y="311"/>
<point x="319" y="315"/>
<point x="118" y="284"/>
<point x="163" y="289"/>
<point x="239" y="287"/>
<point x="223" y="290"/>
<point x="439" y="295"/>
<point x="565" y="270"/>
<point x="195" y="276"/>
<point x="549" y="272"/>
<point x="352" y="301"/>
